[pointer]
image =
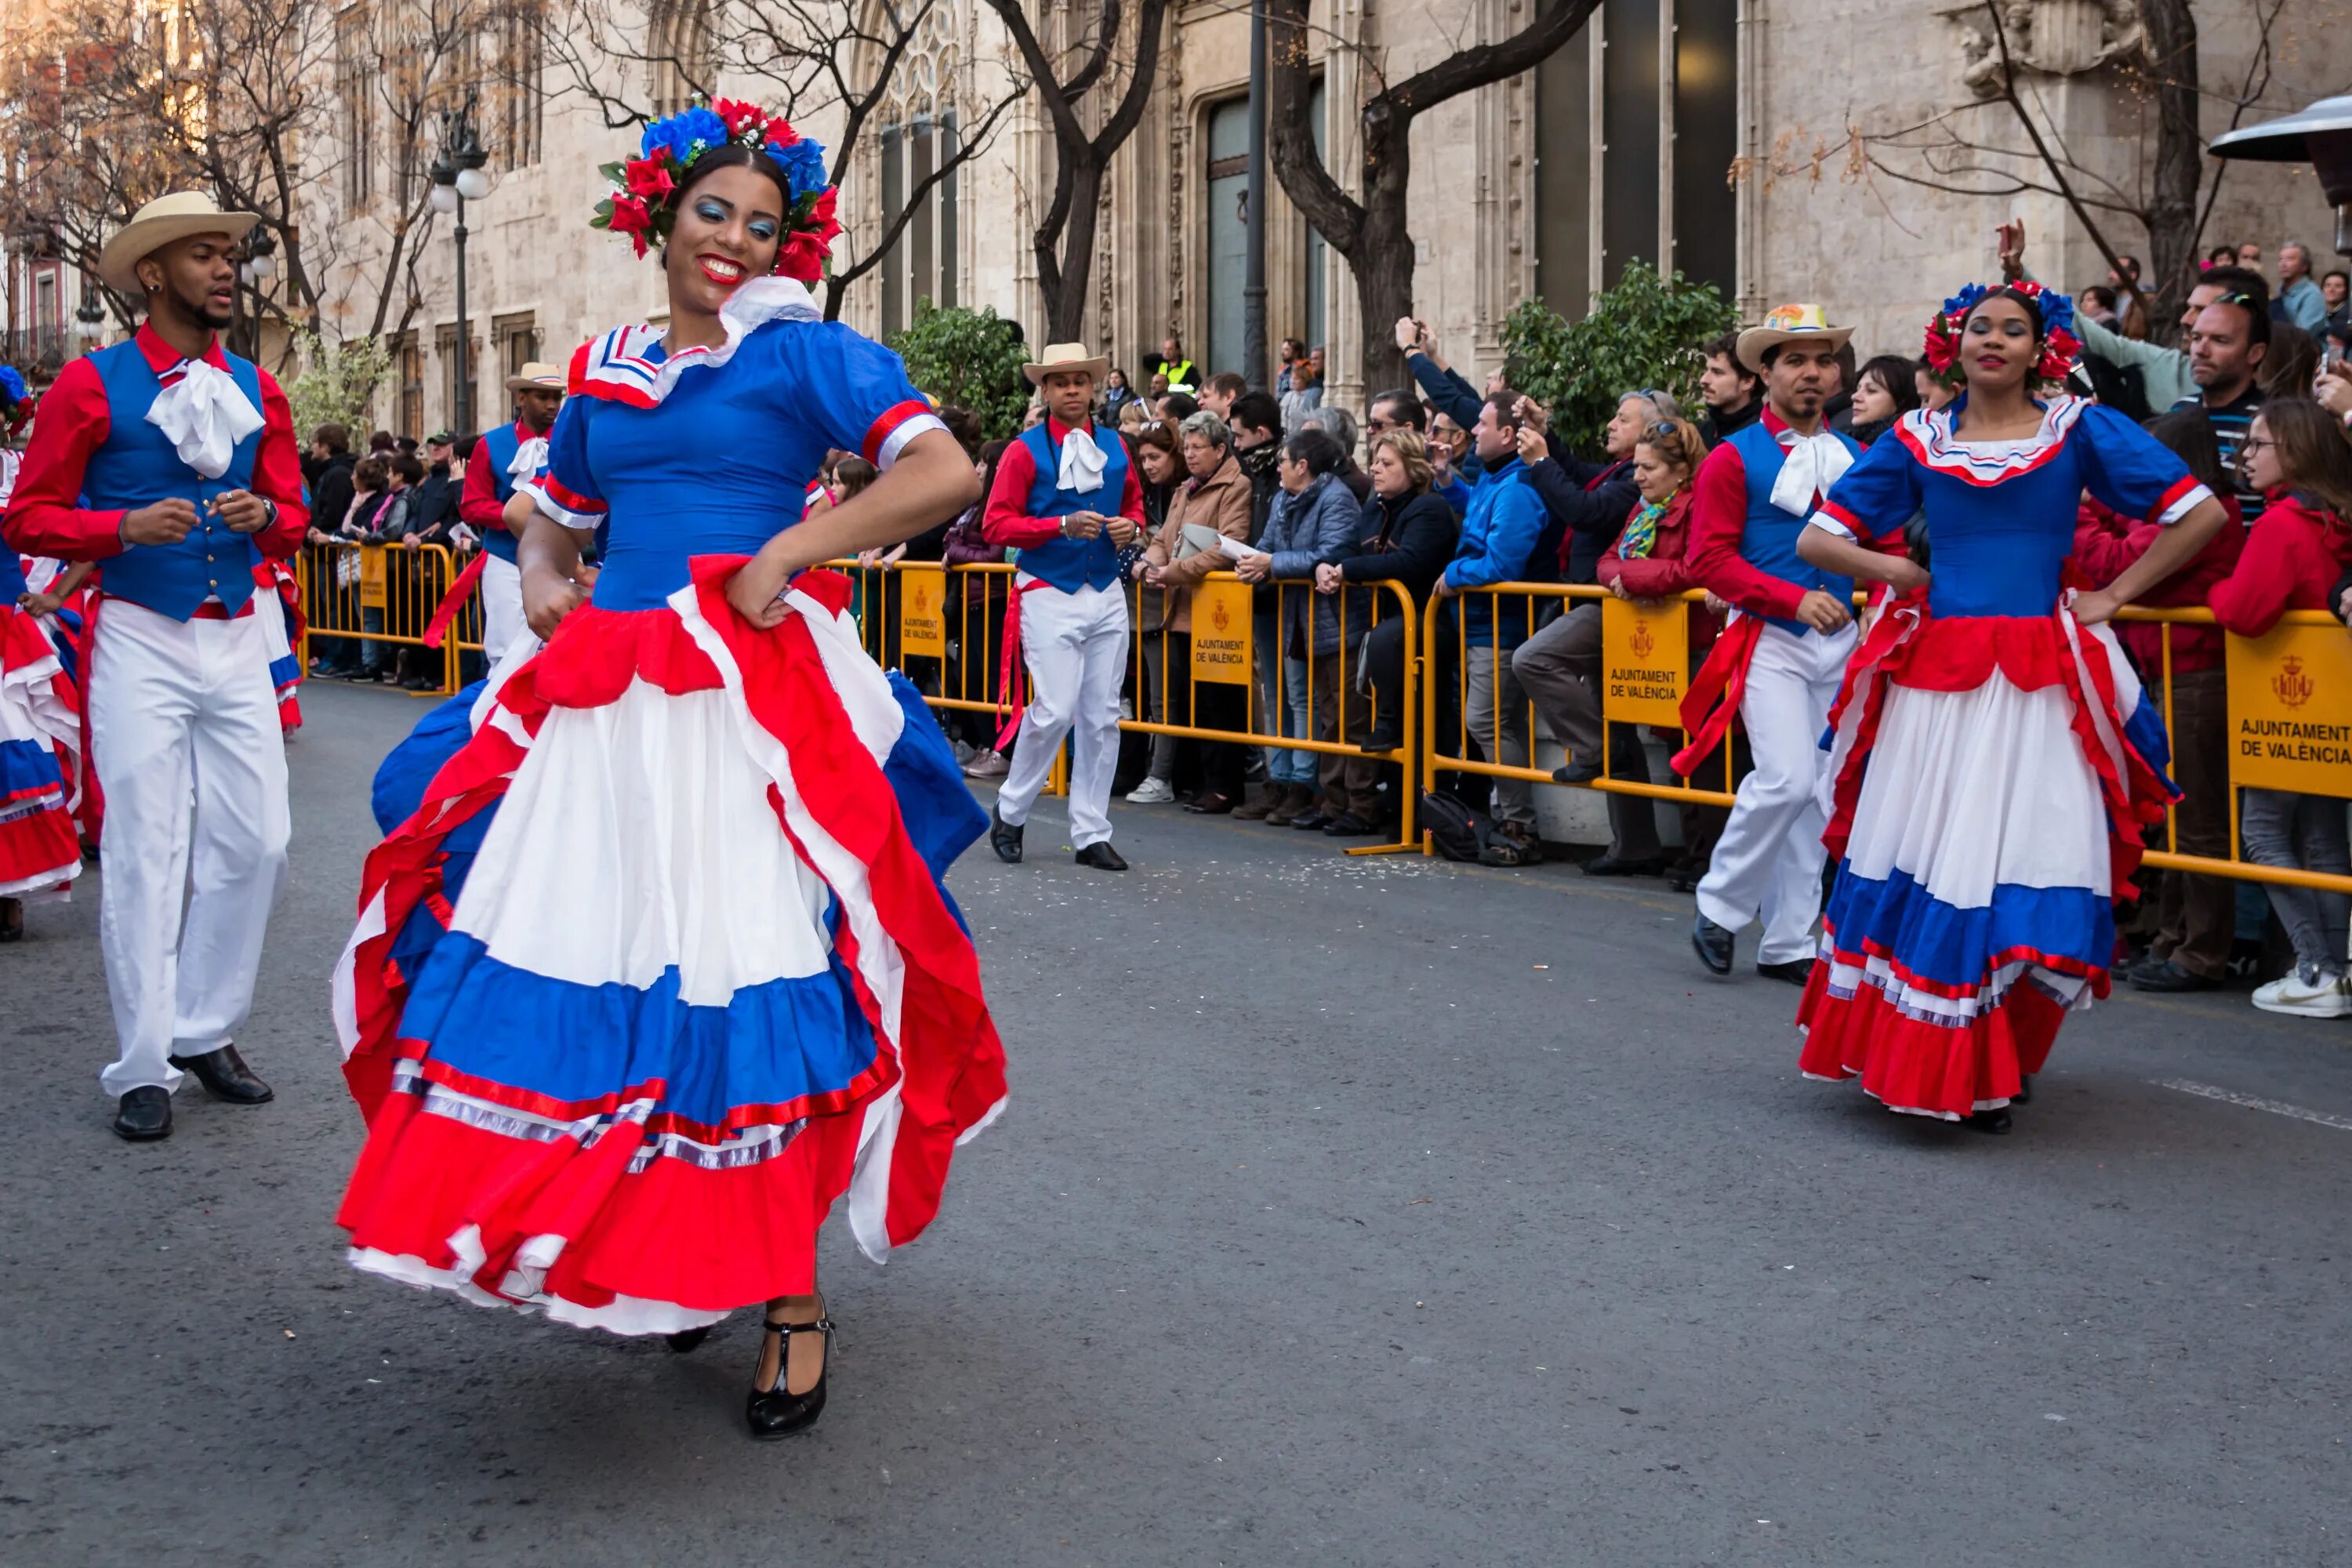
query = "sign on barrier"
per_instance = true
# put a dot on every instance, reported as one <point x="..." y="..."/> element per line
<point x="1645" y="660"/>
<point x="372" y="577"/>
<point x="922" y="611"/>
<point x="2291" y="709"/>
<point x="1221" y="632"/>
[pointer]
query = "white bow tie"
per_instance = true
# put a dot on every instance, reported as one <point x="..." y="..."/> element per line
<point x="1082" y="464"/>
<point x="205" y="414"/>
<point x="529" y="458"/>
<point x="1814" y="463"/>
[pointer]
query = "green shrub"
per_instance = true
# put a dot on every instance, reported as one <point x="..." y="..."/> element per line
<point x="1647" y="332"/>
<point x="337" y="384"/>
<point x="970" y="358"/>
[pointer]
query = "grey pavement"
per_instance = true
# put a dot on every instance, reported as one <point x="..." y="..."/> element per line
<point x="1347" y="1211"/>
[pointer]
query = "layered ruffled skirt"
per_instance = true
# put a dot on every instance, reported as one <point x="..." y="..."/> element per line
<point x="1989" y="781"/>
<point x="660" y="967"/>
<point x="40" y="739"/>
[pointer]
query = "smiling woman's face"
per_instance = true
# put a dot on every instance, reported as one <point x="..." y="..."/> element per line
<point x="726" y="234"/>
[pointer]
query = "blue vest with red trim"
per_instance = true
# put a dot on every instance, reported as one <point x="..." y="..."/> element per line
<point x="498" y="446"/>
<point x="137" y="466"/>
<point x="1070" y="564"/>
<point x="1768" y="540"/>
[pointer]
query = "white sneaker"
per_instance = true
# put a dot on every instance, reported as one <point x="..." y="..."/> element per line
<point x="1151" y="792"/>
<point x="2307" y="994"/>
<point x="987" y="765"/>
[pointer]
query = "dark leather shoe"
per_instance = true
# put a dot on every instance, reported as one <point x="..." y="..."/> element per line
<point x="1796" y="972"/>
<point x="1311" y="821"/>
<point x="1576" y="772"/>
<point x="225" y="1076"/>
<point x="1004" y="838"/>
<point x="2170" y="977"/>
<point x="1607" y="865"/>
<point x="1209" y="802"/>
<point x="687" y="1340"/>
<point x="773" y="1411"/>
<point x="1990" y="1121"/>
<point x="1101" y="857"/>
<point x="145" y="1114"/>
<point x="1380" y="741"/>
<point x="2024" y="1095"/>
<point x="1683" y="876"/>
<point x="1713" y="945"/>
<point x="1348" y="825"/>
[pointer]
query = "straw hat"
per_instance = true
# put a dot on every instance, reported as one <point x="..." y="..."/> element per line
<point x="544" y="377"/>
<point x="1788" y="324"/>
<point x="1060" y="358"/>
<point x="158" y="224"/>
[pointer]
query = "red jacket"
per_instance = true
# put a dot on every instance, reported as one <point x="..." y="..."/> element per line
<point x="2106" y="541"/>
<point x="2295" y="552"/>
<point x="1664" y="572"/>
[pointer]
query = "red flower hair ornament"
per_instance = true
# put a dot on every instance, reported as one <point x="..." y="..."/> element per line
<point x="643" y="201"/>
<point x="2061" y="349"/>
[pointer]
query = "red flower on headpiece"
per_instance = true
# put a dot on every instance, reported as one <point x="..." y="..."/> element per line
<point x="1942" y="345"/>
<point x="802" y="257"/>
<point x="649" y="178"/>
<point x="822" y="225"/>
<point x="739" y="116"/>
<point x="631" y="216"/>
<point x="780" y="132"/>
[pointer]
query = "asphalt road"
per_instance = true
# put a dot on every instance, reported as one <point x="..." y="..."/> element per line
<point x="1347" y="1211"/>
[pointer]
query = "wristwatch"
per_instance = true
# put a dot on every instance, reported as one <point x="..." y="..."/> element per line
<point x="272" y="505"/>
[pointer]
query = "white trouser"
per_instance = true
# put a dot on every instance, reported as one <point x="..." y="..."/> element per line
<point x="1768" y="860"/>
<point x="1076" y="647"/>
<point x="502" y="622"/>
<point x="182" y="714"/>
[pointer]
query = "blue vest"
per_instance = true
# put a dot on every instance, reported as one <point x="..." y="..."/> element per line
<point x="137" y="466"/>
<point x="498" y="447"/>
<point x="1769" y="541"/>
<point x="1070" y="564"/>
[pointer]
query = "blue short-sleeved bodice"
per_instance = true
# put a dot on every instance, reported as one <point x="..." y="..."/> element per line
<point x="2000" y="514"/>
<point x="720" y="462"/>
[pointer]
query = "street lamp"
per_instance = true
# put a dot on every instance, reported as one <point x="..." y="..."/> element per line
<point x="2320" y="136"/>
<point x="457" y="178"/>
<point x="260" y="262"/>
<point x="89" y="317"/>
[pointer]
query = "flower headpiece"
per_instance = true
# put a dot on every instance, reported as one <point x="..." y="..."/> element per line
<point x="643" y="203"/>
<point x="15" y="402"/>
<point x="2061" y="349"/>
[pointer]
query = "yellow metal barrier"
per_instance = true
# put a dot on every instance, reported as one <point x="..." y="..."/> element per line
<point x="346" y="585"/>
<point x="913" y="625"/>
<point x="2299" y="683"/>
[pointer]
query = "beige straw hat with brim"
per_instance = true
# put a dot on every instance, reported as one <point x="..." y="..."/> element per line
<point x="180" y="215"/>
<point x="1804" y="322"/>
<point x="537" y="373"/>
<point x="1061" y="359"/>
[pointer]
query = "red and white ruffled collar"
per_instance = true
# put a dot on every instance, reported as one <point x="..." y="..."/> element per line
<point x="1928" y="434"/>
<point x="618" y="366"/>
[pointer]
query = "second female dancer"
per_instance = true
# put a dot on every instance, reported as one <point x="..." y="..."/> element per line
<point x="660" y="966"/>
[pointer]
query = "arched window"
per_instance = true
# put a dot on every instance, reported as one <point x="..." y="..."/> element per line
<point x="918" y="137"/>
<point x="681" y="54"/>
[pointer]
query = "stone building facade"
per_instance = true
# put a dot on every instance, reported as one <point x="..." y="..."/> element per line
<point x="1760" y="145"/>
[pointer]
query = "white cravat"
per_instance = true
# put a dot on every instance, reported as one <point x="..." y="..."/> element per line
<point x="1814" y="463"/>
<point x="1082" y="463"/>
<point x="529" y="458"/>
<point x="205" y="414"/>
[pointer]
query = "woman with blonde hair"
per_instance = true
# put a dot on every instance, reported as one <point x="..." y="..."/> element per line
<point x="1407" y="537"/>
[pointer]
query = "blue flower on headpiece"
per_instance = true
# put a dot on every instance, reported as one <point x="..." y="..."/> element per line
<point x="680" y="133"/>
<point x="2057" y="312"/>
<point x="12" y="388"/>
<point x="1965" y="299"/>
<point x="803" y="164"/>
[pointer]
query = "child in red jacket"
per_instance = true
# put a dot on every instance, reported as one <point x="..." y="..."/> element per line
<point x="2296" y="456"/>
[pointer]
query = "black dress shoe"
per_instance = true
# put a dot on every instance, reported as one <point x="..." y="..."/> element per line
<point x="1380" y="741"/>
<point x="1576" y="772"/>
<point x="1713" y="945"/>
<point x="1347" y="825"/>
<point x="775" y="1412"/>
<point x="2024" y="1095"/>
<point x="1796" y="972"/>
<point x="145" y="1114"/>
<point x="2168" y="976"/>
<point x="1211" y="803"/>
<point x="225" y="1076"/>
<point x="1101" y="857"/>
<point x="1311" y="821"/>
<point x="685" y="1340"/>
<point x="1004" y="838"/>
<point x="1990" y="1121"/>
<point x="1607" y="865"/>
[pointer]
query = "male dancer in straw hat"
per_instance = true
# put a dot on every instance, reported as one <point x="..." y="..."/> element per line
<point x="1778" y="669"/>
<point x="1066" y="498"/>
<point x="506" y="454"/>
<point x="172" y="463"/>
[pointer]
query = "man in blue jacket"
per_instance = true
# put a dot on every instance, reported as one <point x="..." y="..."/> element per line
<point x="1499" y="534"/>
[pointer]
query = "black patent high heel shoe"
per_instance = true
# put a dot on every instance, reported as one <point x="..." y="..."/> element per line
<point x="777" y="1413"/>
